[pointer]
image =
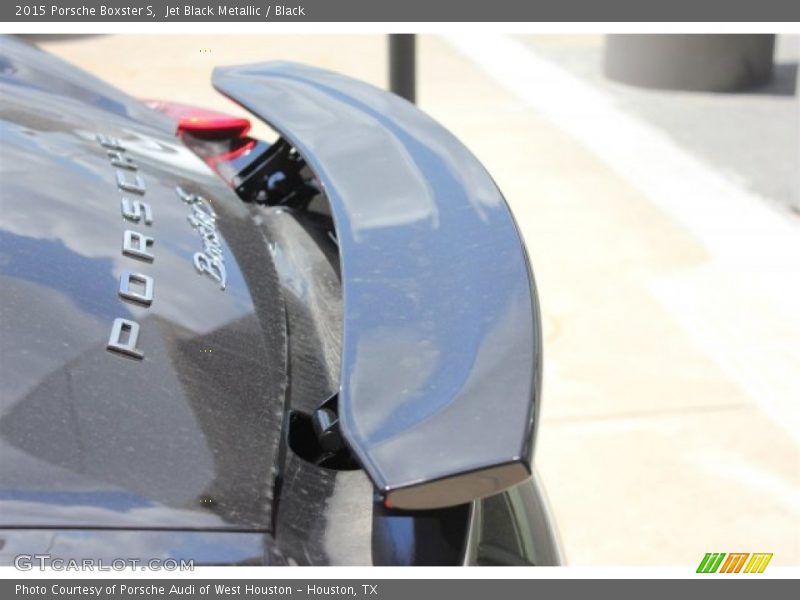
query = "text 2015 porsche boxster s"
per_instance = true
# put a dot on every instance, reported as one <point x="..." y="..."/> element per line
<point x="324" y="349"/>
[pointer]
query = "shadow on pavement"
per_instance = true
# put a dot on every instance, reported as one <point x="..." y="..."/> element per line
<point x="783" y="82"/>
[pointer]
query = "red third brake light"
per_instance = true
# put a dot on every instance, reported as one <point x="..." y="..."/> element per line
<point x="201" y="122"/>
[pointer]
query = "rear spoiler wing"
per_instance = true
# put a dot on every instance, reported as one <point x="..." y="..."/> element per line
<point x="441" y="350"/>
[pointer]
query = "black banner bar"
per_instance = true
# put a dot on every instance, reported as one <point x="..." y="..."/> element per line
<point x="338" y="11"/>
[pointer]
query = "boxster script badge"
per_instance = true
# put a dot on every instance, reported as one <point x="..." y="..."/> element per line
<point x="204" y="220"/>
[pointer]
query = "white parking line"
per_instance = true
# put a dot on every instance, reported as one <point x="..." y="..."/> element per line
<point x="753" y="249"/>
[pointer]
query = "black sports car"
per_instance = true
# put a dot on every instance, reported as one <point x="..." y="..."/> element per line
<point x="324" y="349"/>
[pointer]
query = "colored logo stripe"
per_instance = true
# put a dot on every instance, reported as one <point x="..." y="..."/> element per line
<point x="758" y="563"/>
<point x="710" y="562"/>
<point x="733" y="564"/>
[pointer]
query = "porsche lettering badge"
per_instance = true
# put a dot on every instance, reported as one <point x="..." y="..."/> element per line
<point x="138" y="287"/>
<point x="133" y="286"/>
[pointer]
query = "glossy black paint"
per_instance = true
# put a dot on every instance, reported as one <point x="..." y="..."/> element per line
<point x="441" y="339"/>
<point x="513" y="528"/>
<point x="182" y="454"/>
<point x="188" y="436"/>
<point x="22" y="64"/>
<point x="424" y="537"/>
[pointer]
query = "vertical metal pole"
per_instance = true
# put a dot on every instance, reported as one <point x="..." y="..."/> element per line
<point x="403" y="65"/>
